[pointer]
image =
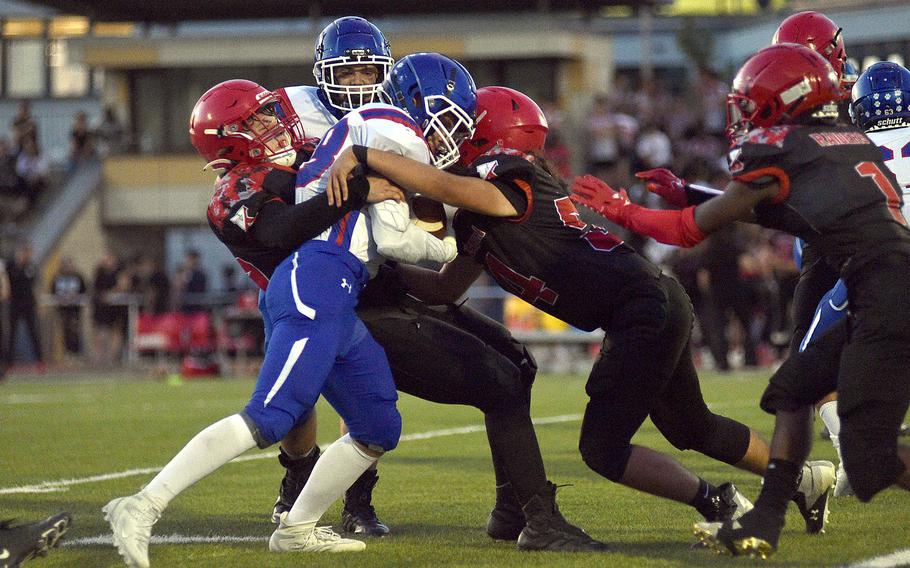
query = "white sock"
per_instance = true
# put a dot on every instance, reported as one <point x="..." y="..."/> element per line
<point x="828" y="413"/>
<point x="338" y="468"/>
<point x="207" y="451"/>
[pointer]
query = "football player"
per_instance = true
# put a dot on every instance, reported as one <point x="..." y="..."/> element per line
<point x="351" y="59"/>
<point x="794" y="170"/>
<point x="518" y="223"/>
<point x="318" y="346"/>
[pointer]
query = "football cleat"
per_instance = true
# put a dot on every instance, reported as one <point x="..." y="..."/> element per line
<point x="23" y="542"/>
<point x="131" y="519"/>
<point x="307" y="537"/>
<point x="812" y="495"/>
<point x="547" y="529"/>
<point x="904" y="430"/>
<point x="730" y="504"/>
<point x="842" y="484"/>
<point x="297" y="472"/>
<point x="506" y="520"/>
<point x="358" y="515"/>
<point x="755" y="534"/>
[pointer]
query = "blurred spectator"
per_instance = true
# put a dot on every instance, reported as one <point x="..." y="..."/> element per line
<point x="24" y="127"/>
<point x="109" y="133"/>
<point x="12" y="187"/>
<point x="229" y="279"/>
<point x="190" y="283"/>
<point x="603" y="138"/>
<point x="711" y="99"/>
<point x="106" y="315"/>
<point x="22" y="273"/>
<point x="557" y="154"/>
<point x="81" y="144"/>
<point x="4" y="307"/>
<point x="152" y="285"/>
<point x="67" y="288"/>
<point x="653" y="148"/>
<point x="728" y="295"/>
<point x="33" y="169"/>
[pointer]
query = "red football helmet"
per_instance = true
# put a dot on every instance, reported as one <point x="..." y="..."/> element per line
<point x="508" y="118"/>
<point x="241" y="121"/>
<point x="778" y="84"/>
<point x="816" y="31"/>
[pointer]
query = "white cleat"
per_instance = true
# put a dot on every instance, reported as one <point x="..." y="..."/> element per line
<point x="813" y="493"/>
<point x="307" y="537"/>
<point x="131" y="520"/>
<point x="842" y="485"/>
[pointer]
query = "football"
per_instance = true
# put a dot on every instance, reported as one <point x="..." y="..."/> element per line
<point x="429" y="215"/>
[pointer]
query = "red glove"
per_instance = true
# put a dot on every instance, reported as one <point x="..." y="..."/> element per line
<point x="666" y="184"/>
<point x="595" y="194"/>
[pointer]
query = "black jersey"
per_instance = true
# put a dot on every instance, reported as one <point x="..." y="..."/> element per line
<point x="252" y="212"/>
<point x="836" y="193"/>
<point x="239" y="196"/>
<point x="547" y="256"/>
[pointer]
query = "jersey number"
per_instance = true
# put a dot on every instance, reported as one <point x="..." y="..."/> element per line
<point x="871" y="170"/>
<point x="598" y="238"/>
<point x="528" y="288"/>
<point x="888" y="153"/>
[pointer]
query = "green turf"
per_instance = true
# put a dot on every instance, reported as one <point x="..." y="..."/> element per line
<point x="434" y="493"/>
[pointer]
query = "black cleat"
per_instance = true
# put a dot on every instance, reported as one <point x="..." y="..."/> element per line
<point x="358" y="515"/>
<point x="506" y="520"/>
<point x="24" y="542"/>
<point x="297" y="472"/>
<point x="727" y="505"/>
<point x="755" y="534"/>
<point x="547" y="529"/>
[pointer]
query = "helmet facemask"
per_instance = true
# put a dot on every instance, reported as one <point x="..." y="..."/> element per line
<point x="447" y="126"/>
<point x="269" y="135"/>
<point x="349" y="97"/>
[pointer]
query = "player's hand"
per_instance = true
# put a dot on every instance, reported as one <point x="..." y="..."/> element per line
<point x="666" y="184"/>
<point x="337" y="189"/>
<point x="595" y="194"/>
<point x="382" y="189"/>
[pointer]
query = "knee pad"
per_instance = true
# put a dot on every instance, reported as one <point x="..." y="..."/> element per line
<point x="609" y="461"/>
<point x="380" y="429"/>
<point x="267" y="424"/>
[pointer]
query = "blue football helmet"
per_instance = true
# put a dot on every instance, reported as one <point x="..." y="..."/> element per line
<point x="881" y="97"/>
<point x="350" y="41"/>
<point x="439" y="94"/>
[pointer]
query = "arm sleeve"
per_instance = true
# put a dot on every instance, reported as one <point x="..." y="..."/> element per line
<point x="398" y="239"/>
<point x="279" y="225"/>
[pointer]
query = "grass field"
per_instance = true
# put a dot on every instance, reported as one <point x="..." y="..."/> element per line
<point x="435" y="491"/>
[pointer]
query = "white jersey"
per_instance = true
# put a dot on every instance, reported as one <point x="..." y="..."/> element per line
<point x="895" y="146"/>
<point x="382" y="230"/>
<point x="315" y="118"/>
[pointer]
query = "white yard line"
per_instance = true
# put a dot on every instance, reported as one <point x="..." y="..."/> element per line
<point x="106" y="539"/>
<point x="65" y="484"/>
<point x="892" y="560"/>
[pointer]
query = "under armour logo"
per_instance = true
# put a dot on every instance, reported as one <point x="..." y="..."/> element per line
<point x="344" y="284"/>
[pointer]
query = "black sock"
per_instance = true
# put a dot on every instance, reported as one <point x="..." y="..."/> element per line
<point x="707" y="498"/>
<point x="781" y="481"/>
<point x="516" y="454"/>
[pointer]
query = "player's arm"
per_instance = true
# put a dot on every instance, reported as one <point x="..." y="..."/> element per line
<point x="280" y="225"/>
<point x="686" y="227"/>
<point x="674" y="189"/>
<point x="473" y="194"/>
<point x="444" y="286"/>
<point x="397" y="238"/>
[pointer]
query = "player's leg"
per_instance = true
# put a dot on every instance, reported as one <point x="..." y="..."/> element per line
<point x="297" y="454"/>
<point x="646" y="340"/>
<point x="803" y="378"/>
<point x="358" y="514"/>
<point x="361" y="389"/>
